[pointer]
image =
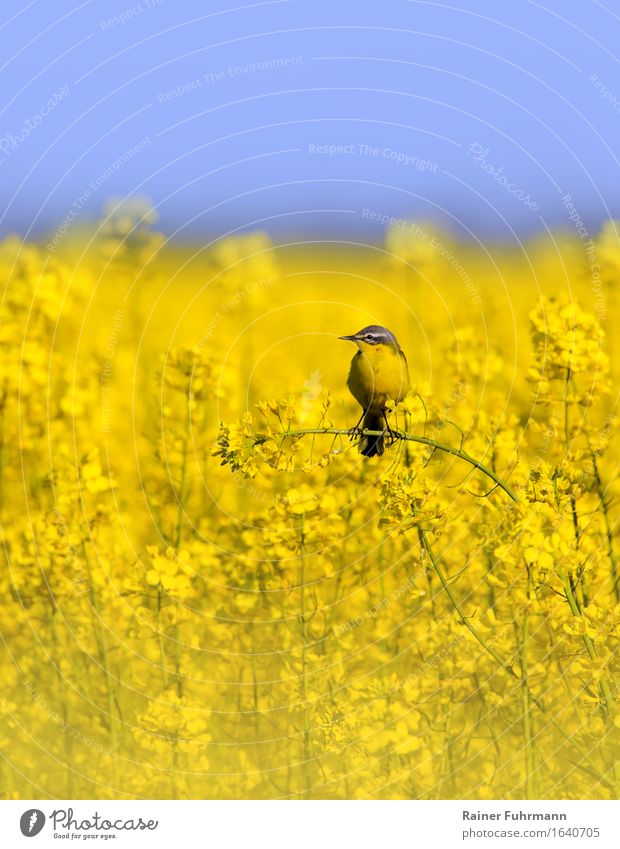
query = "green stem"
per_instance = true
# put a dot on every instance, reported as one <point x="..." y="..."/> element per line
<point x="423" y="440"/>
<point x="507" y="667"/>
<point x="160" y="639"/>
<point x="567" y="583"/>
<point x="304" y="685"/>
<point x="522" y="635"/>
<point x="2" y="408"/>
<point x="103" y="654"/>
<point x="183" y="484"/>
<point x="65" y="714"/>
<point x="613" y="560"/>
<point x="565" y="403"/>
<point x="572" y="603"/>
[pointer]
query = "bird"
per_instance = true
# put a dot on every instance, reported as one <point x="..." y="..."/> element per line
<point x="378" y="372"/>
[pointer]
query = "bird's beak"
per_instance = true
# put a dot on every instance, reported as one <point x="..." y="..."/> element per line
<point x="348" y="338"/>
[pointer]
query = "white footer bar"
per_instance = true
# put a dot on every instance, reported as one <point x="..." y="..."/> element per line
<point x="310" y="825"/>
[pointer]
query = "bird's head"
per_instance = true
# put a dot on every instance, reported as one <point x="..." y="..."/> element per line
<point x="370" y="337"/>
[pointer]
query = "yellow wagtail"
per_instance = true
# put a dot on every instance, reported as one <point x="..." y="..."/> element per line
<point x="378" y="372"/>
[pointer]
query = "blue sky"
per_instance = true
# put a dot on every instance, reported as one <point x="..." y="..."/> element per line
<point x="297" y="116"/>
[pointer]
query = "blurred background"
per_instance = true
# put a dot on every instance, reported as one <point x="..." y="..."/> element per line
<point x="323" y="119"/>
<point x="197" y="200"/>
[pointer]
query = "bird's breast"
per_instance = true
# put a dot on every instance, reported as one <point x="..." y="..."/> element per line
<point x="378" y="374"/>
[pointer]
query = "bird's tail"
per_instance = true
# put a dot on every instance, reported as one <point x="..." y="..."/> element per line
<point x="372" y="445"/>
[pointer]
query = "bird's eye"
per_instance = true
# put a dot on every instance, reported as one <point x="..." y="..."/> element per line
<point x="370" y="337"/>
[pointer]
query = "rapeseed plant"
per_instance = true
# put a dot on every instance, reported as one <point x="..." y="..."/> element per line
<point x="208" y="593"/>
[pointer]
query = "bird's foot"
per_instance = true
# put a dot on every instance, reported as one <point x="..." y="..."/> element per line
<point x="355" y="432"/>
<point x="392" y="435"/>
